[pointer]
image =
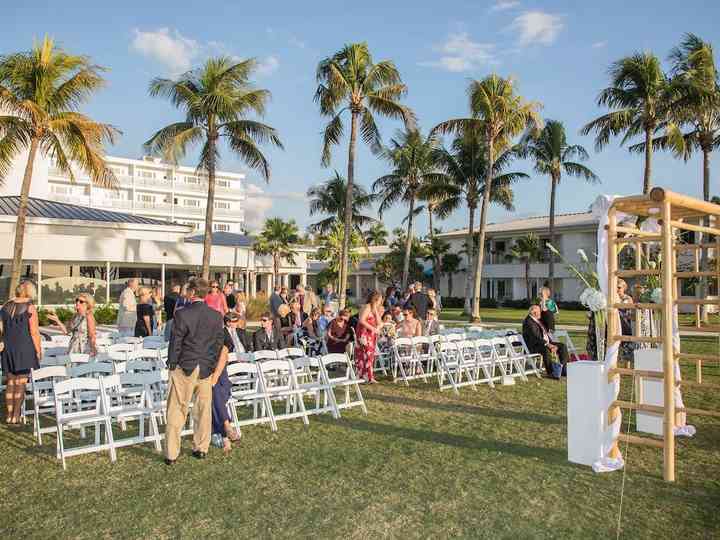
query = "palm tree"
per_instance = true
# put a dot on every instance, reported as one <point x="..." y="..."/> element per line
<point x="40" y="93"/>
<point x="639" y="95"/>
<point x="331" y="247"/>
<point x="277" y="239"/>
<point x="413" y="158"/>
<point x="437" y="249"/>
<point x="553" y="155"/>
<point x="216" y="100"/>
<point x="328" y="197"/>
<point x="450" y="265"/>
<point x="498" y="114"/>
<point x="350" y="81"/>
<point x="376" y="235"/>
<point x="527" y="249"/>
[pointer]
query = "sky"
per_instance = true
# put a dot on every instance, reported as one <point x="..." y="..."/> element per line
<point x="557" y="51"/>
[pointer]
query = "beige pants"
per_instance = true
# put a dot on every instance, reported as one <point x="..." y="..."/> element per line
<point x="182" y="389"/>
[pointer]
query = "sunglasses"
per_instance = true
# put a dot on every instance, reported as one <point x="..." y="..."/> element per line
<point x="264" y="320"/>
<point x="80" y="301"/>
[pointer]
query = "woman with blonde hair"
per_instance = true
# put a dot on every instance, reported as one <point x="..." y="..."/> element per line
<point x="145" y="313"/>
<point x="240" y="304"/>
<point x="81" y="328"/>
<point x="22" y="351"/>
<point x="284" y="323"/>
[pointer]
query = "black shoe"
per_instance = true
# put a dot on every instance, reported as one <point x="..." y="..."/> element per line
<point x="197" y="454"/>
<point x="170" y="461"/>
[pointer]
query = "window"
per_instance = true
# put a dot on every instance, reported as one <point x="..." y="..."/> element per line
<point x="191" y="203"/>
<point x="191" y="180"/>
<point x="145" y="198"/>
<point x="119" y="170"/>
<point x="146" y="174"/>
<point x="224" y="227"/>
<point x="223" y="183"/>
<point x="222" y="204"/>
<point x="194" y="224"/>
<point x="60" y="190"/>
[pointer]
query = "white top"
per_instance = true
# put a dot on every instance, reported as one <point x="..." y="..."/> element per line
<point x="127" y="311"/>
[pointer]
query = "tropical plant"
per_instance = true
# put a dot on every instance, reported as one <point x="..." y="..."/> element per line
<point x="450" y="265"/>
<point x="329" y="197"/>
<point x="552" y="155"/>
<point x="277" y="239"/>
<point x="376" y="235"/>
<point x="216" y="100"/>
<point x="350" y="81"/>
<point x="390" y="267"/>
<point x="41" y="91"/>
<point x="437" y="248"/>
<point x="465" y="164"/>
<point x="330" y="250"/>
<point x="528" y="250"/>
<point x="639" y="96"/>
<point x="499" y="114"/>
<point x="413" y="158"/>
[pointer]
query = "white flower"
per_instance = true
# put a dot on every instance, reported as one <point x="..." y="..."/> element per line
<point x="583" y="255"/>
<point x="593" y="299"/>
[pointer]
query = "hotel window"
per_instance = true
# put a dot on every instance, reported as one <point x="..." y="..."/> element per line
<point x="146" y="198"/>
<point x="223" y="183"/>
<point x="146" y="174"/>
<point x="191" y="203"/>
<point x="60" y="190"/>
<point x="225" y="205"/>
<point x="191" y="180"/>
<point x="194" y="224"/>
<point x="223" y="227"/>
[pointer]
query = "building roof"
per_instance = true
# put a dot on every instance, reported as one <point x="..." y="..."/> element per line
<point x="223" y="238"/>
<point x="41" y="208"/>
<point x="580" y="219"/>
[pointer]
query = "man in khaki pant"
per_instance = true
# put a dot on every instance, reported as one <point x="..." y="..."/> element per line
<point x="195" y="345"/>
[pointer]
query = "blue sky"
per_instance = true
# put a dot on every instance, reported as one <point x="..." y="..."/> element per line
<point x="558" y="51"/>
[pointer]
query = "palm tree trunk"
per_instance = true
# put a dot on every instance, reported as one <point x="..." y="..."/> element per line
<point x="467" y="308"/>
<point x="408" y="243"/>
<point x="436" y="259"/>
<point x="276" y="271"/>
<point x="450" y="284"/>
<point x="348" y="209"/>
<point x="22" y="218"/>
<point x="648" y="161"/>
<point x="481" y="241"/>
<point x="551" y="263"/>
<point x="209" y="211"/>
<point x="527" y="279"/>
<point x="705" y="289"/>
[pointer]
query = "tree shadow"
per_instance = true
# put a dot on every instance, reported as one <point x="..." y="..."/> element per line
<point x="470" y="409"/>
<point x="553" y="455"/>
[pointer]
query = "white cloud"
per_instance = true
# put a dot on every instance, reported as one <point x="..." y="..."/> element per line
<point x="537" y="27"/>
<point x="261" y="203"/>
<point x="170" y="48"/>
<point x="267" y="66"/>
<point x="599" y="44"/>
<point x="504" y="5"/>
<point x="460" y="53"/>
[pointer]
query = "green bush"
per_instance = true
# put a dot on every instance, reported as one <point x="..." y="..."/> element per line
<point x="64" y="314"/>
<point x="255" y="307"/>
<point x="105" y="314"/>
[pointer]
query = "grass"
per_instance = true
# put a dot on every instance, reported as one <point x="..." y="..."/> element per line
<point x="422" y="464"/>
<point x="566" y="316"/>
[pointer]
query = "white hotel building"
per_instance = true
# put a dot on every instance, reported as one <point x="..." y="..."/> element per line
<point x="148" y="187"/>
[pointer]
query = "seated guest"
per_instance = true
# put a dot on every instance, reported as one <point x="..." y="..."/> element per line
<point x="339" y="333"/>
<point x="325" y="319"/>
<point x="298" y="318"/>
<point x="237" y="339"/>
<point x="538" y="340"/>
<point x="221" y="389"/>
<point x="387" y="333"/>
<point x="431" y="325"/>
<point x="396" y="312"/>
<point x="267" y="338"/>
<point x="410" y="326"/>
<point x="284" y="324"/>
<point x="311" y="332"/>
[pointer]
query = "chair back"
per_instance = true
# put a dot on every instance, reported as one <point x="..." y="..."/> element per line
<point x="90" y="370"/>
<point x="264" y="355"/>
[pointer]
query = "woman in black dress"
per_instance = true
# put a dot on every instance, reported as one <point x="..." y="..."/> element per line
<point x="145" y="314"/>
<point x="22" y="350"/>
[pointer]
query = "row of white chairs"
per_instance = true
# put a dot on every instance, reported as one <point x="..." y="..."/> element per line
<point x="96" y="395"/>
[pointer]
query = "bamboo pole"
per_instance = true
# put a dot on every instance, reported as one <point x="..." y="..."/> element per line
<point x="697" y="273"/>
<point x="612" y="312"/>
<point x="638" y="339"/>
<point x="638" y="306"/>
<point x="639" y="239"/>
<point x="684" y="300"/>
<point x="715" y="329"/>
<point x="691" y="227"/>
<point x="688" y="247"/>
<point x="633" y="439"/>
<point x="658" y="194"/>
<point x="667" y="339"/>
<point x="634" y="273"/>
<point x="635" y="373"/>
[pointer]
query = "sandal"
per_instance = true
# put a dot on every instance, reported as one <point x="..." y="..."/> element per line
<point x="234" y="435"/>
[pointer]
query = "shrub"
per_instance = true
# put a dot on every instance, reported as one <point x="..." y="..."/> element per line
<point x="572" y="306"/>
<point x="105" y="314"/>
<point x="518" y="304"/>
<point x="255" y="307"/>
<point x="64" y="314"/>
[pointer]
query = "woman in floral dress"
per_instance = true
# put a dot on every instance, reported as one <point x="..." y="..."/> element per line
<point x="368" y="328"/>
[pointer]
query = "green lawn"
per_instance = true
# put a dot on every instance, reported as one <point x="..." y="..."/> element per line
<point x="422" y="464"/>
<point x="514" y="315"/>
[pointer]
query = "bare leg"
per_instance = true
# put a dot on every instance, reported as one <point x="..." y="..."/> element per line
<point x="9" y="398"/>
<point x="20" y="383"/>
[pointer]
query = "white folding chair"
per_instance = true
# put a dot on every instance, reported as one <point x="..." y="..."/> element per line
<point x="264" y="355"/>
<point x="154" y="342"/>
<point x="346" y="381"/>
<point x="425" y="353"/>
<point x="448" y="356"/>
<point x="54" y="350"/>
<point x="78" y="358"/>
<point x="280" y="384"/>
<point x="518" y="350"/>
<point x="247" y="390"/>
<point x="487" y="361"/>
<point x="504" y="357"/>
<point x="125" y="397"/>
<point x="564" y="336"/>
<point x="535" y="359"/>
<point x="75" y="408"/>
<point x="60" y="340"/>
<point x="142" y="366"/>
<point x="41" y="387"/>
<point x="91" y="369"/>
<point x="312" y="378"/>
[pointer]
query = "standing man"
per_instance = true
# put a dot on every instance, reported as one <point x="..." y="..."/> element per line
<point x="169" y="308"/>
<point x="276" y="300"/>
<point x="538" y="340"/>
<point x="419" y="300"/>
<point x="195" y="346"/>
<point x="127" y="309"/>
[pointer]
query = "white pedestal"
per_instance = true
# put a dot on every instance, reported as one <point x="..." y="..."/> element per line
<point x="588" y="397"/>
<point x="651" y="391"/>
